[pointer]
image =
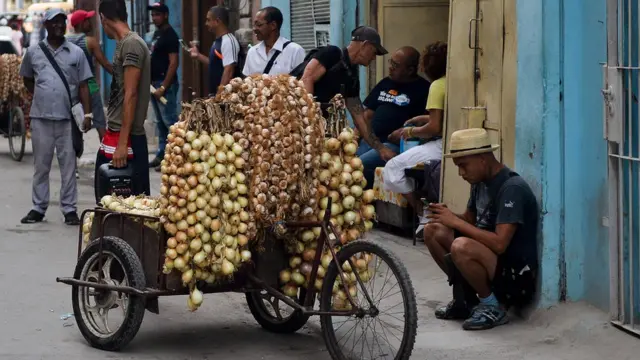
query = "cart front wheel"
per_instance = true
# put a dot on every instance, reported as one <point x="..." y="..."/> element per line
<point x="274" y="315"/>
<point x="386" y="319"/>
<point x="17" y="133"/>
<point x="107" y="319"/>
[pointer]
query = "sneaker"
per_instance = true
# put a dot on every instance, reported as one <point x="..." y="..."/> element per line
<point x="32" y="217"/>
<point x="158" y="168"/>
<point x="155" y="162"/>
<point x="454" y="310"/>
<point x="485" y="317"/>
<point x="71" y="218"/>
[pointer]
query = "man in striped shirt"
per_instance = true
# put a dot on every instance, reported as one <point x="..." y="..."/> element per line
<point x="223" y="59"/>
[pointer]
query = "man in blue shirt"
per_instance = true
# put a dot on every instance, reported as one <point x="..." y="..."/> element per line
<point x="223" y="59"/>
<point x="51" y="117"/>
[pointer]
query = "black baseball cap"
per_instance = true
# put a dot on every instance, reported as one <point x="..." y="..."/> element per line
<point x="158" y="7"/>
<point x="369" y="34"/>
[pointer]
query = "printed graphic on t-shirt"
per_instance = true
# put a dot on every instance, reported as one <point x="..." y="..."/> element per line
<point x="392" y="97"/>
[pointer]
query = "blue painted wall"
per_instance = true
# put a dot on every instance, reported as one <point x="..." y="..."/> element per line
<point x="559" y="143"/>
<point x="585" y="151"/>
<point x="539" y="57"/>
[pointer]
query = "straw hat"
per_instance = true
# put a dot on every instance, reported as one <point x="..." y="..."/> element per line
<point x="470" y="142"/>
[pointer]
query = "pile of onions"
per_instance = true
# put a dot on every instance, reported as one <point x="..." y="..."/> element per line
<point x="135" y="205"/>
<point x="204" y="205"/>
<point x="10" y="80"/>
<point x="352" y="213"/>
<point x="87" y="223"/>
<point x="284" y="126"/>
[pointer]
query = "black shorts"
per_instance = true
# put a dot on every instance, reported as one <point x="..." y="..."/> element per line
<point x="514" y="284"/>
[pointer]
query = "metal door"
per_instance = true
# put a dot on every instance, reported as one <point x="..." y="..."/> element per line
<point x="310" y="21"/>
<point x="622" y="130"/>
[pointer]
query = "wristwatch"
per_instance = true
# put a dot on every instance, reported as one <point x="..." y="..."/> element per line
<point x="88" y="116"/>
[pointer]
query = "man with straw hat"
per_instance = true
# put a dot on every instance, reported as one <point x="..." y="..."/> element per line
<point x="490" y="251"/>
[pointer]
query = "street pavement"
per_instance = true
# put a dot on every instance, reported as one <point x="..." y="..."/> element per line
<point x="33" y="306"/>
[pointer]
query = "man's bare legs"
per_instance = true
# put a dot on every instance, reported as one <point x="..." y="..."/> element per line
<point x="476" y="262"/>
<point x="438" y="239"/>
<point x="477" y="265"/>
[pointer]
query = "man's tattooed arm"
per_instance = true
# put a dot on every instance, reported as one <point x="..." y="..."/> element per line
<point x="354" y="105"/>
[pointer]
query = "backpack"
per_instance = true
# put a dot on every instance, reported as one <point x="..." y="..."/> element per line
<point x="299" y="70"/>
<point x="242" y="58"/>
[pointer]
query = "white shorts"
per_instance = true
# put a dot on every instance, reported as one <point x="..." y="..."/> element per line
<point x="393" y="174"/>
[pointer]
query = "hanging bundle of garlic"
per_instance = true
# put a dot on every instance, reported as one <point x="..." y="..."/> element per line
<point x="11" y="84"/>
<point x="250" y="159"/>
<point x="284" y="126"/>
<point x="337" y="119"/>
<point x="204" y="198"/>
<point x="135" y="205"/>
<point x="352" y="213"/>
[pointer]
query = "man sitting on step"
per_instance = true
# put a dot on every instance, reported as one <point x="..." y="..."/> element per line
<point x="490" y="251"/>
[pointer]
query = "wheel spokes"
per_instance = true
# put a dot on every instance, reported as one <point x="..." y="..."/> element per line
<point x="106" y="269"/>
<point x="274" y="302"/>
<point x="121" y="302"/>
<point x="379" y="335"/>
<point x="97" y="303"/>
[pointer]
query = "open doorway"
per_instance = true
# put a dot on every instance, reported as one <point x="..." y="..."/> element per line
<point x="402" y="23"/>
<point x="409" y="23"/>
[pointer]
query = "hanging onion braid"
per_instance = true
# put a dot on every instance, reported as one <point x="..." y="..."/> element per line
<point x="434" y="60"/>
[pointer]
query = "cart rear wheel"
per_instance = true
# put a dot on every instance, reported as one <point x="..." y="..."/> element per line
<point x="383" y="328"/>
<point x="17" y="133"/>
<point x="274" y="315"/>
<point x="94" y="309"/>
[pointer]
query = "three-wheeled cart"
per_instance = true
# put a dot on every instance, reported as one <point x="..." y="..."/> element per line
<point x="12" y="121"/>
<point x="13" y="126"/>
<point x="119" y="275"/>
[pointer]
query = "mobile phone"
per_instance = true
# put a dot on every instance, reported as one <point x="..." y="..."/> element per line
<point x="184" y="45"/>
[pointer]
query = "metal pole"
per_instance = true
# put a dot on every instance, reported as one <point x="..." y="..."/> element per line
<point x="614" y="164"/>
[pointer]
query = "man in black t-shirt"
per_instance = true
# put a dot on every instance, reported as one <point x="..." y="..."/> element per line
<point x="165" y="47"/>
<point x="395" y="99"/>
<point x="489" y="252"/>
<point x="334" y="71"/>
